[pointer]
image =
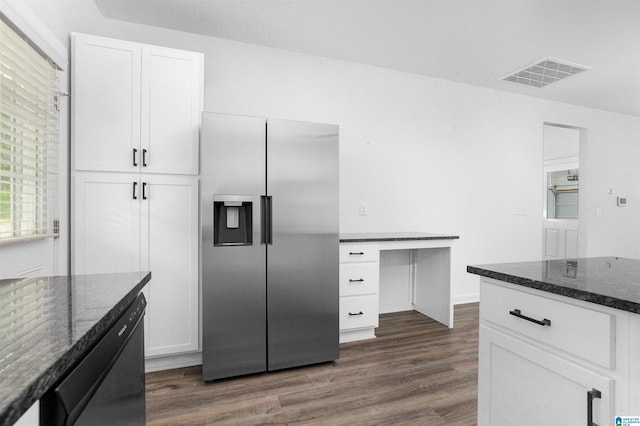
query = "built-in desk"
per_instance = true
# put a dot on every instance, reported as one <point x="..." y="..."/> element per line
<point x="430" y="278"/>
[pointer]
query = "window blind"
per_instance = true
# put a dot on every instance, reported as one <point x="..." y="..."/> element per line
<point x="28" y="139"/>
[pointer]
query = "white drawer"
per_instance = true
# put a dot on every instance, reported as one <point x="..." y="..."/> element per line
<point x="358" y="312"/>
<point x="359" y="278"/>
<point x="359" y="253"/>
<point x="582" y="332"/>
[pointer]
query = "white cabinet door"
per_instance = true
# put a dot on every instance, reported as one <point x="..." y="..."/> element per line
<point x="135" y="106"/>
<point x="171" y="109"/>
<point x="106" y="223"/>
<point x="524" y="385"/>
<point x="105" y="99"/>
<point x="170" y="251"/>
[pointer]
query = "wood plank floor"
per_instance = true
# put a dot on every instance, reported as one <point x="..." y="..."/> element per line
<point x="416" y="372"/>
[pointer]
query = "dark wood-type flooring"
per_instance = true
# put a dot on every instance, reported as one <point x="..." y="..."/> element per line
<point x="416" y="372"/>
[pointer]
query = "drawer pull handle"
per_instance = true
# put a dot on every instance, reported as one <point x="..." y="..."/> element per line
<point x="518" y="313"/>
<point x="356" y="253"/>
<point x="356" y="314"/>
<point x="591" y="395"/>
<point x="359" y="280"/>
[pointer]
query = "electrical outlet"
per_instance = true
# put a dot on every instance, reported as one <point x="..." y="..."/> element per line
<point x="364" y="209"/>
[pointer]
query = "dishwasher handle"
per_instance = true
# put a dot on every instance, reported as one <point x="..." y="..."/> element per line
<point x="66" y="401"/>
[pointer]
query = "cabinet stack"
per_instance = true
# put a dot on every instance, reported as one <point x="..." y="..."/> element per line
<point x="135" y="140"/>
<point x="359" y="283"/>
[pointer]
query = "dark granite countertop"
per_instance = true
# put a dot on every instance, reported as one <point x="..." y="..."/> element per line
<point x="366" y="237"/>
<point x="48" y="324"/>
<point x="607" y="281"/>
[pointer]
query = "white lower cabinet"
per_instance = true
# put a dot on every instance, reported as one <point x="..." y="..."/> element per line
<point x="130" y="222"/>
<point x="359" y="286"/>
<point x="570" y="369"/>
<point x="106" y="223"/>
<point x="170" y="247"/>
<point x="524" y="385"/>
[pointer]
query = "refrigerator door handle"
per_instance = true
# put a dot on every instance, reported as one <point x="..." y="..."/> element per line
<point x="266" y="221"/>
<point x="270" y="223"/>
<point x="263" y="219"/>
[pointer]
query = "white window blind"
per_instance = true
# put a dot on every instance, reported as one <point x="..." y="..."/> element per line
<point x="28" y="139"/>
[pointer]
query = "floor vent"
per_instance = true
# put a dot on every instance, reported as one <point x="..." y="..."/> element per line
<point x="544" y="72"/>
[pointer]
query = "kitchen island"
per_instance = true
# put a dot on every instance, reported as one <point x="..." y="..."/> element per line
<point x="47" y="325"/>
<point x="559" y="341"/>
<point x="360" y="267"/>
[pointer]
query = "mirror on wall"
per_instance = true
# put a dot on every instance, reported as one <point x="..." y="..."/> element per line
<point x="561" y="173"/>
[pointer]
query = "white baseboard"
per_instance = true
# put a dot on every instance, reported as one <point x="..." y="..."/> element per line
<point x="355" y="335"/>
<point x="395" y="307"/>
<point x="466" y="298"/>
<point x="173" y="361"/>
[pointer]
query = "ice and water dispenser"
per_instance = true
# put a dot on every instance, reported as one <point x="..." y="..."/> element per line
<point x="232" y="220"/>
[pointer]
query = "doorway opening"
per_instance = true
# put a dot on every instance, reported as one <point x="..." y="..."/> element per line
<point x="561" y="187"/>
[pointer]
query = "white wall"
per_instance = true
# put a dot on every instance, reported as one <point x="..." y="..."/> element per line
<point x="561" y="143"/>
<point x="425" y="154"/>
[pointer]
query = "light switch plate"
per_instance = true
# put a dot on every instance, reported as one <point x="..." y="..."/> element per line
<point x="520" y="211"/>
<point x="622" y="201"/>
<point x="364" y="209"/>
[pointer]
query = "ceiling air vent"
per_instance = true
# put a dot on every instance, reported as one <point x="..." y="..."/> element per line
<point x="544" y="72"/>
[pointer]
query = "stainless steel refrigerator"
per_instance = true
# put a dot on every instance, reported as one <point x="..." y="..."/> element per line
<point x="269" y="223"/>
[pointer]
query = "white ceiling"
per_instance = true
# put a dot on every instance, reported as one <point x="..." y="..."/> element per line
<point x="469" y="41"/>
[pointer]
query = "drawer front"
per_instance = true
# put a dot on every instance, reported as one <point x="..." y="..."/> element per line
<point x="358" y="312"/>
<point x="358" y="278"/>
<point x="582" y="332"/>
<point x="359" y="253"/>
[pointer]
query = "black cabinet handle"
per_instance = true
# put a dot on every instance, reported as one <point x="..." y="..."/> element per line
<point x="144" y="158"/>
<point x="135" y="184"/>
<point x="356" y="314"/>
<point x="144" y="190"/>
<point x="357" y="253"/>
<point x="359" y="280"/>
<point x="135" y="153"/>
<point x="591" y="395"/>
<point x="518" y="313"/>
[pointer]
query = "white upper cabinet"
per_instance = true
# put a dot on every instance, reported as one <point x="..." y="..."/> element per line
<point x="136" y="107"/>
<point x="105" y="102"/>
<point x="171" y="109"/>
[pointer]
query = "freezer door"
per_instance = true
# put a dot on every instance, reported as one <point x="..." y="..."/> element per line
<point x="233" y="275"/>
<point x="302" y="273"/>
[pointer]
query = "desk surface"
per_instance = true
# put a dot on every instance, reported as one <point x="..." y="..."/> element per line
<point x="392" y="236"/>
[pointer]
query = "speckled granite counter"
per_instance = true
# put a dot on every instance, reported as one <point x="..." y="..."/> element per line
<point x="48" y="324"/>
<point x="607" y="281"/>
<point x="392" y="236"/>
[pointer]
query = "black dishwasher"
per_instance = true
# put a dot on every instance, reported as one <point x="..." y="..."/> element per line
<point x="107" y="386"/>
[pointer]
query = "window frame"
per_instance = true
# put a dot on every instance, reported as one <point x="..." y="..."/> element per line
<point x="20" y="20"/>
